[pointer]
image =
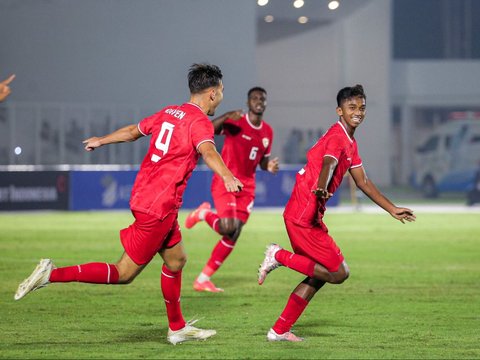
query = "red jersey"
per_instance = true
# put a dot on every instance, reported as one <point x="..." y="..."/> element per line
<point x="303" y="207"/>
<point x="177" y="132"/>
<point x="244" y="147"/>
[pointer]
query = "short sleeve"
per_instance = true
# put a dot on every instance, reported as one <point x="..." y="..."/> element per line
<point x="145" y="126"/>
<point x="334" y="146"/>
<point x="202" y="131"/>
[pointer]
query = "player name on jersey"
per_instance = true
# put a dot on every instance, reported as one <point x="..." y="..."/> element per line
<point x="179" y="114"/>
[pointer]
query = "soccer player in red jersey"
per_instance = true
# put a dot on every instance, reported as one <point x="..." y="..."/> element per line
<point x="248" y="142"/>
<point x="180" y="134"/>
<point x="315" y="253"/>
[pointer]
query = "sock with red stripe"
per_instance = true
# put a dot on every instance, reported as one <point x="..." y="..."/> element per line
<point x="290" y="314"/>
<point x="220" y="252"/>
<point x="93" y="273"/>
<point x="171" y="283"/>
<point x="296" y="262"/>
<point x="213" y="220"/>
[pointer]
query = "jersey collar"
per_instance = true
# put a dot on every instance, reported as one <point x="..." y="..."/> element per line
<point x="345" y="131"/>
<point x="253" y="126"/>
<point x="189" y="103"/>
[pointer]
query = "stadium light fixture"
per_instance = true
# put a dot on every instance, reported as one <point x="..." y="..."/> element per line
<point x="18" y="150"/>
<point x="332" y="5"/>
<point x="269" y="18"/>
<point x="303" y="19"/>
<point x="298" y="4"/>
<point x="262" y="2"/>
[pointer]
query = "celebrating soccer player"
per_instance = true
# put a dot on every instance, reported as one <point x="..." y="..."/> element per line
<point x="248" y="142"/>
<point x="179" y="135"/>
<point x="315" y="253"/>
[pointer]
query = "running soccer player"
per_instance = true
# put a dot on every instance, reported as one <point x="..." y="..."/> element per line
<point x="315" y="253"/>
<point x="179" y="135"/>
<point x="248" y="142"/>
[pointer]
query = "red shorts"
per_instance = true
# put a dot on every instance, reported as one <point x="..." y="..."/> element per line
<point x="148" y="235"/>
<point x="232" y="205"/>
<point x="316" y="244"/>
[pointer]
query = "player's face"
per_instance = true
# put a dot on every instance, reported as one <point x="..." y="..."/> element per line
<point x="353" y="111"/>
<point x="216" y="97"/>
<point x="257" y="102"/>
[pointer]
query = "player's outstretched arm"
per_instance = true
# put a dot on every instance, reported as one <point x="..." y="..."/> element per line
<point x="218" y="122"/>
<point x="270" y="165"/>
<point x="126" y="134"/>
<point x="368" y="187"/>
<point x="5" y="88"/>
<point x="214" y="161"/>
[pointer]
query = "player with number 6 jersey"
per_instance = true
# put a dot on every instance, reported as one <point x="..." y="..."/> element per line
<point x="248" y="143"/>
<point x="179" y="136"/>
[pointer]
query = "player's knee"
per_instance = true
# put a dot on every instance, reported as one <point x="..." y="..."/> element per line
<point x="228" y="228"/>
<point x="341" y="275"/>
<point x="177" y="264"/>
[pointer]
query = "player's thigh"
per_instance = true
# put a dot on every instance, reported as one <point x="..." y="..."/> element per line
<point x="225" y="202"/>
<point x="316" y="244"/>
<point x="245" y="202"/>
<point x="146" y="236"/>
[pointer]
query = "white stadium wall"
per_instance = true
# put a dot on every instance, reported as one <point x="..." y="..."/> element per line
<point x="303" y="73"/>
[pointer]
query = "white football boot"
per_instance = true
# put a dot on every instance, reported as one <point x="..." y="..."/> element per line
<point x="38" y="279"/>
<point x="288" y="336"/>
<point x="189" y="333"/>
<point x="269" y="263"/>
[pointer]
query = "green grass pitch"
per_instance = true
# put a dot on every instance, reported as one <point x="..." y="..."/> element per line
<point x="414" y="292"/>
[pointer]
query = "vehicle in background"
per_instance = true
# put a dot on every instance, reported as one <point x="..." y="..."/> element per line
<point x="448" y="160"/>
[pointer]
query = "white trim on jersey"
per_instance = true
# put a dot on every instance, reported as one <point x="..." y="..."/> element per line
<point x="201" y="142"/>
<point x="345" y="130"/>
<point x="331" y="156"/>
<point x="253" y="126"/>
<point x="138" y="126"/>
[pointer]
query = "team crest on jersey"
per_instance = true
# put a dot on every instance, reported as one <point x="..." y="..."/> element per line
<point x="265" y="142"/>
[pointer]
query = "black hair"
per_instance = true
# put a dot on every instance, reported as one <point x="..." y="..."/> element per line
<point x="203" y="76"/>
<point x="350" y="92"/>
<point x="256" y="88"/>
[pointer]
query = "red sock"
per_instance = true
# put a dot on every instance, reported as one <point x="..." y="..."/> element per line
<point x="220" y="252"/>
<point x="213" y="221"/>
<point x="93" y="273"/>
<point x="171" y="283"/>
<point x="290" y="314"/>
<point x="296" y="262"/>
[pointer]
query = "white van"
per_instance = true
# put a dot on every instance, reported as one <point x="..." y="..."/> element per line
<point x="449" y="158"/>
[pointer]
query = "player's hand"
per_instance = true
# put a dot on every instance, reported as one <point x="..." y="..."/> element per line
<point x="232" y="184"/>
<point x="273" y="165"/>
<point x="235" y="114"/>
<point x="403" y="214"/>
<point x="322" y="194"/>
<point x="4" y="88"/>
<point x="92" y="143"/>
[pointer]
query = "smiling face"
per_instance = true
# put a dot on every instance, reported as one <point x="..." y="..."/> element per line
<point x="352" y="112"/>
<point x="257" y="102"/>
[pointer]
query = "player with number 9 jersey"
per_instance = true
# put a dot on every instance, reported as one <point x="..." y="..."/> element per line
<point x="176" y="133"/>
